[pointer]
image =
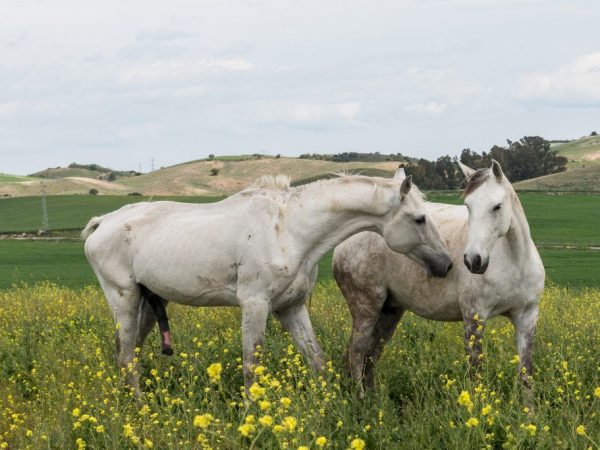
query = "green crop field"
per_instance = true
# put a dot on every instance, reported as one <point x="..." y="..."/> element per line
<point x="568" y="219"/>
<point x="69" y="211"/>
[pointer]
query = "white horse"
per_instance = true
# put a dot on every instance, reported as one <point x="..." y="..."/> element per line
<point x="257" y="249"/>
<point x="502" y="274"/>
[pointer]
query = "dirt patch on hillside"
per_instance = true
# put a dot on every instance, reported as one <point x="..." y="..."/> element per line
<point x="592" y="156"/>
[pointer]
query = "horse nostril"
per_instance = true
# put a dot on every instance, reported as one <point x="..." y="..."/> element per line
<point x="449" y="268"/>
<point x="467" y="262"/>
<point x="477" y="262"/>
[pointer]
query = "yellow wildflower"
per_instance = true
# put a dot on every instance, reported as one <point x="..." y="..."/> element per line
<point x="597" y="392"/>
<point x="321" y="441"/>
<point x="76" y="412"/>
<point x="80" y="444"/>
<point x="486" y="410"/>
<point x="265" y="404"/>
<point x="464" y="399"/>
<point x="285" y="401"/>
<point x="246" y="429"/>
<point x="266" y="420"/>
<point x="357" y="444"/>
<point x="580" y="430"/>
<point x="127" y="430"/>
<point x="100" y="429"/>
<point x="256" y="391"/>
<point x="290" y="423"/>
<point x="148" y="443"/>
<point x="214" y="372"/>
<point x="203" y="421"/>
<point x="531" y="429"/>
<point x="260" y="370"/>
<point x="472" y="422"/>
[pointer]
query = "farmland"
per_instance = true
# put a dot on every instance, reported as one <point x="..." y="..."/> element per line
<point x="555" y="220"/>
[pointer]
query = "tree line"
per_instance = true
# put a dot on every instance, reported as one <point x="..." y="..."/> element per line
<point x="529" y="157"/>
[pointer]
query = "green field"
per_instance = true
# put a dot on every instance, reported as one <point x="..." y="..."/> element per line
<point x="64" y="262"/>
<point x="69" y="211"/>
<point x="554" y="219"/>
<point x="568" y="219"/>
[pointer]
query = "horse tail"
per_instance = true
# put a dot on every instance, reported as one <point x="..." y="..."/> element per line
<point x="91" y="227"/>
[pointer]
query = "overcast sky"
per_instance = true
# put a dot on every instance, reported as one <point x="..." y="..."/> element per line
<point x="121" y="82"/>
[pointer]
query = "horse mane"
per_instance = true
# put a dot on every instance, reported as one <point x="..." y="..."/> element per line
<point x="282" y="183"/>
<point x="476" y="180"/>
<point x="278" y="183"/>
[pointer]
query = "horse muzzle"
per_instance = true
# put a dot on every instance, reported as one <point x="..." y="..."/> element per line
<point x="439" y="268"/>
<point x="476" y="264"/>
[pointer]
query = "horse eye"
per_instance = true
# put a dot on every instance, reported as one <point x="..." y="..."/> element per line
<point x="420" y="220"/>
<point x="497" y="207"/>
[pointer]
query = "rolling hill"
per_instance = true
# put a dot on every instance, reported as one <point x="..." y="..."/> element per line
<point x="583" y="169"/>
<point x="193" y="178"/>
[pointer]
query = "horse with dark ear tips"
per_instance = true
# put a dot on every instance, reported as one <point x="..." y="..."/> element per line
<point x="498" y="271"/>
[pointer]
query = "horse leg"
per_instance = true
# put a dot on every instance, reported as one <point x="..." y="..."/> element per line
<point x="147" y="320"/>
<point x="361" y="342"/>
<point x="474" y="327"/>
<point x="158" y="304"/>
<point x="255" y="312"/>
<point x="296" y="321"/>
<point x="384" y="330"/>
<point x="125" y="303"/>
<point x="525" y="322"/>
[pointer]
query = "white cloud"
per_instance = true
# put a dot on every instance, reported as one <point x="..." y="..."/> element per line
<point x="430" y="108"/>
<point x="8" y="109"/>
<point x="302" y="112"/>
<point x="575" y="83"/>
<point x="178" y="70"/>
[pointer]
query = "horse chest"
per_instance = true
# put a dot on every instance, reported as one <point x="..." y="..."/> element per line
<point x="296" y="292"/>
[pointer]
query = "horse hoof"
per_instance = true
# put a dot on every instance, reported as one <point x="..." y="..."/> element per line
<point x="167" y="351"/>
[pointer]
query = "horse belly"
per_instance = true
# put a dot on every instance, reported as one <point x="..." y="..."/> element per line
<point x="430" y="298"/>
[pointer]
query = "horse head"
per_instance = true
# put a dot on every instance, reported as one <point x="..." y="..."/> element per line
<point x="488" y="200"/>
<point x="410" y="230"/>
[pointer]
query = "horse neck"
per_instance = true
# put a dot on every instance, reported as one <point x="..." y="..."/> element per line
<point x="518" y="235"/>
<point x="328" y="212"/>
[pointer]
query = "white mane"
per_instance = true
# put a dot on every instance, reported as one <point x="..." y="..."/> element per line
<point x="278" y="183"/>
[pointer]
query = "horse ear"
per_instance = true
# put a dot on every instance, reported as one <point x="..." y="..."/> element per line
<point x="405" y="187"/>
<point x="400" y="175"/>
<point x="497" y="170"/>
<point x="466" y="170"/>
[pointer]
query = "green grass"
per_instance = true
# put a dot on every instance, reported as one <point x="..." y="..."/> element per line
<point x="7" y="178"/>
<point x="554" y="219"/>
<point x="61" y="388"/>
<point x="25" y="261"/>
<point x="579" y="148"/>
<point x="557" y="219"/>
<point x="69" y="211"/>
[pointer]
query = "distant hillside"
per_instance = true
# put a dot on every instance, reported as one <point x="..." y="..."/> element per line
<point x="583" y="170"/>
<point x="584" y="149"/>
<point x="83" y="171"/>
<point x="193" y="178"/>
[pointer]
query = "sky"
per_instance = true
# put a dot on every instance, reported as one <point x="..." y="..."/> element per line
<point x="122" y="83"/>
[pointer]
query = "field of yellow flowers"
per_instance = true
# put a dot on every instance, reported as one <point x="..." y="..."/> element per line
<point x="59" y="385"/>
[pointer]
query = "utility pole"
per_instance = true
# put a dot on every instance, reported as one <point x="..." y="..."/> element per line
<point x="152" y="165"/>
<point x="45" y="226"/>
